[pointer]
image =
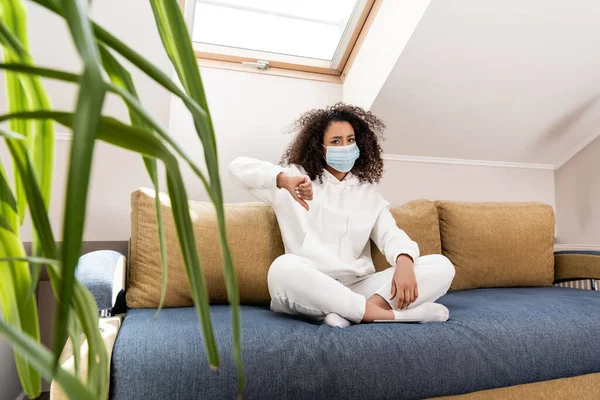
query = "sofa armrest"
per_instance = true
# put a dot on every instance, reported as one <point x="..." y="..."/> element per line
<point x="103" y="273"/>
<point x="572" y="265"/>
<point x="109" y="328"/>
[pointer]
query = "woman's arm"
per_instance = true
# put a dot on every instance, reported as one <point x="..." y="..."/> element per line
<point x="391" y="240"/>
<point x="258" y="177"/>
<point x="398" y="249"/>
<point x="263" y="179"/>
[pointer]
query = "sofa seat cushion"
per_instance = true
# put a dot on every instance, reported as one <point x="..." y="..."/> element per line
<point x="494" y="338"/>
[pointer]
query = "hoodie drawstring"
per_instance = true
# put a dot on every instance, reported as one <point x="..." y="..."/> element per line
<point x="321" y="205"/>
<point x="348" y="209"/>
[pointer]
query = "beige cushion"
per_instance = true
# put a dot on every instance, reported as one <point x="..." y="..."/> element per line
<point x="254" y="239"/>
<point x="576" y="266"/>
<point x="253" y="235"/>
<point x="574" y="387"/>
<point x="498" y="244"/>
<point x="419" y="219"/>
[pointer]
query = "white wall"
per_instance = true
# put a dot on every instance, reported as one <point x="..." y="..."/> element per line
<point x="400" y="76"/>
<point x="578" y="198"/>
<point x="511" y="80"/>
<point x="9" y="381"/>
<point x="389" y="33"/>
<point x="405" y="181"/>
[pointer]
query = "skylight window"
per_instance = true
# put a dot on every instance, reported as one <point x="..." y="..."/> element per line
<point x="310" y="35"/>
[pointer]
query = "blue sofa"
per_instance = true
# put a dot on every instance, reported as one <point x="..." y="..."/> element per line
<point x="495" y="338"/>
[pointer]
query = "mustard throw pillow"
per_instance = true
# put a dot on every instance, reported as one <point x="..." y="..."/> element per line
<point x="498" y="244"/>
<point x="254" y="240"/>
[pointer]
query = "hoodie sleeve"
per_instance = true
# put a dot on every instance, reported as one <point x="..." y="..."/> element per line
<point x="258" y="177"/>
<point x="391" y="240"/>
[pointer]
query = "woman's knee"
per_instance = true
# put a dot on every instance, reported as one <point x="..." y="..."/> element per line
<point x="440" y="266"/>
<point x="286" y="271"/>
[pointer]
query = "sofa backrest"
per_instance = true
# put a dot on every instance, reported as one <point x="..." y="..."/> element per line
<point x="498" y="244"/>
<point x="255" y="242"/>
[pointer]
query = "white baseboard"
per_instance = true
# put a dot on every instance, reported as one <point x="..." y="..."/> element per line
<point x="460" y="161"/>
<point x="589" y="247"/>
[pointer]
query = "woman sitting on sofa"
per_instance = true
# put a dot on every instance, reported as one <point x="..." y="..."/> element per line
<point x="327" y="205"/>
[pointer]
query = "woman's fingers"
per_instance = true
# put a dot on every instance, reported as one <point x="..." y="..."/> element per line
<point x="305" y="194"/>
<point x="393" y="290"/>
<point x="297" y="186"/>
<point x="400" y="295"/>
<point x="304" y="190"/>
<point x="408" y="298"/>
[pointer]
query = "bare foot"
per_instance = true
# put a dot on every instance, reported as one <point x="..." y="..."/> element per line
<point x="375" y="310"/>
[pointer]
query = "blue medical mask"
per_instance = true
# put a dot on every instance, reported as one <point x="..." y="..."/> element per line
<point x="342" y="158"/>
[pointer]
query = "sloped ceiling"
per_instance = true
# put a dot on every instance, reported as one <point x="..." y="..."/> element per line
<point x="511" y="80"/>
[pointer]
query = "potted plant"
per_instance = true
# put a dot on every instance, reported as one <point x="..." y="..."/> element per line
<point x="30" y="140"/>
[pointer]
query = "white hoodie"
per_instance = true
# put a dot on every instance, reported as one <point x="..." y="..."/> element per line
<point x="335" y="232"/>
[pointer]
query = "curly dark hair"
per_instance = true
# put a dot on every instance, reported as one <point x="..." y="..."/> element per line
<point x="306" y="148"/>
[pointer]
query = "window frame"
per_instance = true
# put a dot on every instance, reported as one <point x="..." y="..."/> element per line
<point x="285" y="65"/>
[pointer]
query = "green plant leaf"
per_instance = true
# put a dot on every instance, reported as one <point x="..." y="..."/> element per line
<point x="178" y="45"/>
<point x="6" y="195"/>
<point x="8" y="203"/>
<point x="131" y="101"/>
<point x="146" y="143"/>
<point x="19" y="276"/>
<point x="16" y="102"/>
<point x="85" y="126"/>
<point x="43" y="361"/>
<point x="85" y="306"/>
<point x="113" y="134"/>
<point x="11" y="135"/>
<point x="16" y="310"/>
<point x="74" y="329"/>
<point x="122" y="78"/>
<point x="5" y="224"/>
<point x="42" y="138"/>
<point x="31" y="260"/>
<point x="84" y="303"/>
<point x="37" y="209"/>
<point x="199" y="115"/>
<point x="45" y="72"/>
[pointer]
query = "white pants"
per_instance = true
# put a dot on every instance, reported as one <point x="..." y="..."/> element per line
<point x="298" y="288"/>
